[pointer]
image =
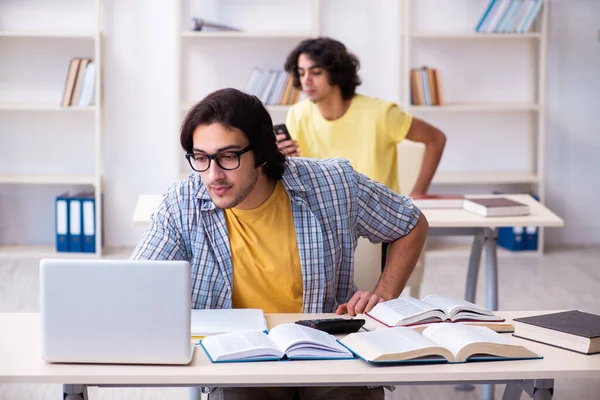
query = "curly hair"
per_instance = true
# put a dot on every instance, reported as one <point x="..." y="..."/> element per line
<point x="235" y="109"/>
<point x="331" y="55"/>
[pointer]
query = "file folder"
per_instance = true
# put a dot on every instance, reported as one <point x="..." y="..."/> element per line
<point x="61" y="213"/>
<point x="75" y="224"/>
<point x="89" y="223"/>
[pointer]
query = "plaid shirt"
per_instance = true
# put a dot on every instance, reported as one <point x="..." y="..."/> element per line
<point x="332" y="206"/>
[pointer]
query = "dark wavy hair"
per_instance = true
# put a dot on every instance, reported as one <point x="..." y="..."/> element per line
<point x="236" y="110"/>
<point x="331" y="55"/>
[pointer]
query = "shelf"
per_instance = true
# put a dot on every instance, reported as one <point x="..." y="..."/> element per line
<point x="38" y="251"/>
<point x="482" y="178"/>
<point x="49" y="35"/>
<point x="42" y="107"/>
<point x="483" y="107"/>
<point x="48" y="179"/>
<point x="475" y="35"/>
<point x="270" y="109"/>
<point x="248" y="35"/>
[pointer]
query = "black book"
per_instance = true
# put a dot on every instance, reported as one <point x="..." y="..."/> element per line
<point x="572" y="330"/>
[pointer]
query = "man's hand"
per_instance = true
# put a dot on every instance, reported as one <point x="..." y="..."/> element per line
<point x="360" y="303"/>
<point x="288" y="147"/>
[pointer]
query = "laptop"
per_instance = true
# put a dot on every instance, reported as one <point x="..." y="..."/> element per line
<point x="115" y="311"/>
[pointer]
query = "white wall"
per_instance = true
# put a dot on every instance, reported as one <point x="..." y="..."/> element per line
<point x="142" y="114"/>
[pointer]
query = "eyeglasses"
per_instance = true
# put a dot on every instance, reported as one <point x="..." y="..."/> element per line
<point x="227" y="160"/>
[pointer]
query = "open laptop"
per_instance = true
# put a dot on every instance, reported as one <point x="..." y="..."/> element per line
<point x="115" y="311"/>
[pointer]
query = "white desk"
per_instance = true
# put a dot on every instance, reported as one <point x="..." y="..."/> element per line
<point x="448" y="222"/>
<point x="20" y="362"/>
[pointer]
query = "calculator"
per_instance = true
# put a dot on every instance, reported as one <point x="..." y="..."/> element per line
<point x="334" y="325"/>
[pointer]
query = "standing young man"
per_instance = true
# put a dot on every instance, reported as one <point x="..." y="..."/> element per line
<point x="264" y="231"/>
<point x="335" y="121"/>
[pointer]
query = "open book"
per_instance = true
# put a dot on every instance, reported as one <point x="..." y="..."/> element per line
<point x="291" y="341"/>
<point x="214" y="322"/>
<point x="405" y="311"/>
<point x="444" y="342"/>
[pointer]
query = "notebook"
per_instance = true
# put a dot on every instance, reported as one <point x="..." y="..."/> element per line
<point x="115" y="311"/>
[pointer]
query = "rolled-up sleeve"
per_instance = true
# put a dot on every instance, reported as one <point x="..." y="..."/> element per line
<point x="383" y="215"/>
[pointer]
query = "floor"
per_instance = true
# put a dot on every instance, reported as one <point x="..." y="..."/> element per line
<point x="561" y="279"/>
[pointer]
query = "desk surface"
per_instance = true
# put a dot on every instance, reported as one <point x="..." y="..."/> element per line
<point x="539" y="215"/>
<point x="20" y="362"/>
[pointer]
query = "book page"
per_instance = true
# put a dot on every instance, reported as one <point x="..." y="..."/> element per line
<point x="301" y="341"/>
<point x="405" y="311"/>
<point x="452" y="306"/>
<point x="240" y="345"/>
<point x="393" y="344"/>
<point x="456" y="337"/>
<point x="213" y="322"/>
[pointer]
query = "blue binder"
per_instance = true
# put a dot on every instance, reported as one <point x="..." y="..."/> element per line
<point x="88" y="208"/>
<point x="531" y="238"/>
<point x="61" y="218"/>
<point x="75" y="224"/>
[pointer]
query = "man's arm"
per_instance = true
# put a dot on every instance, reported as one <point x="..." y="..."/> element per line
<point x="434" y="140"/>
<point x="402" y="256"/>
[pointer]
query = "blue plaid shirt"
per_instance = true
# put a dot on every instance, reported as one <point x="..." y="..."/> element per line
<point x="332" y="206"/>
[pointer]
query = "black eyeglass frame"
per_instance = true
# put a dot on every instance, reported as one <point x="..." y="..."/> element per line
<point x="211" y="157"/>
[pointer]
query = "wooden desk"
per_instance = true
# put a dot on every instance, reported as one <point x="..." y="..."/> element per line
<point x="20" y="362"/>
<point x="449" y="222"/>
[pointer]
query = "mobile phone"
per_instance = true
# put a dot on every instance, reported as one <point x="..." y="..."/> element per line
<point x="281" y="128"/>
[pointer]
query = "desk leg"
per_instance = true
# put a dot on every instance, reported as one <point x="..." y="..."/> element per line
<point x="543" y="389"/>
<point x="473" y="270"/>
<point x="491" y="263"/>
<point x="75" y="392"/>
<point x="512" y="391"/>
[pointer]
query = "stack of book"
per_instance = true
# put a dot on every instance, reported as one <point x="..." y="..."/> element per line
<point x="425" y="87"/>
<point x="272" y="87"/>
<point x="509" y="16"/>
<point x="80" y="83"/>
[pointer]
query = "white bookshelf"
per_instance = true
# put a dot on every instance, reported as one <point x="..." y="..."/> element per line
<point x="262" y="42"/>
<point x="422" y="39"/>
<point x="49" y="148"/>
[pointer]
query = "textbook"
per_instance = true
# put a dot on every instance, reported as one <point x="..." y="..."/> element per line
<point x="214" y="322"/>
<point x="571" y="330"/>
<point x="286" y="341"/>
<point x="496" y="207"/>
<point x="406" y="311"/>
<point x="439" y="343"/>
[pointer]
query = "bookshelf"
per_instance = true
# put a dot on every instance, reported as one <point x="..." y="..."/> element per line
<point x="46" y="149"/>
<point x="262" y="42"/>
<point x="446" y="40"/>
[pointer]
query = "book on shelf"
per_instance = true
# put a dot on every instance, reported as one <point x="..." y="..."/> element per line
<point x="509" y="16"/>
<point x="272" y="87"/>
<point x="286" y="341"/>
<point x="495" y="207"/>
<point x="407" y="311"/>
<point x="571" y="330"/>
<point x="79" y="83"/>
<point x="439" y="343"/>
<point x="214" y="322"/>
<point x="438" y="201"/>
<point x="425" y="87"/>
<point x="200" y="24"/>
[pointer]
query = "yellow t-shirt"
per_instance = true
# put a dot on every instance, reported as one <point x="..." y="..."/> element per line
<point x="266" y="263"/>
<point x="366" y="135"/>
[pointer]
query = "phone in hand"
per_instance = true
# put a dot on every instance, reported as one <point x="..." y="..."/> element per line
<point x="281" y="128"/>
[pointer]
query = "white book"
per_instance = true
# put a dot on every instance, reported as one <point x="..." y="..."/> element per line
<point x="445" y="342"/>
<point x="406" y="311"/>
<point x="88" y="86"/>
<point x="291" y="341"/>
<point x="214" y="322"/>
<point x="495" y="207"/>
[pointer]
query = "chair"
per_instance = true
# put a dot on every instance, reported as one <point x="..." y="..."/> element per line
<point x="367" y="257"/>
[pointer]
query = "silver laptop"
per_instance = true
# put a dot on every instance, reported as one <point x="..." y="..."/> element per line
<point x="115" y="311"/>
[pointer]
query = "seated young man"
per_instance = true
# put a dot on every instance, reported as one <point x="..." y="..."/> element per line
<point x="263" y="231"/>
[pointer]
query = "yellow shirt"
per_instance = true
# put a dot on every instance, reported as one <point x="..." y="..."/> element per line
<point x="264" y="252"/>
<point x="366" y="135"/>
